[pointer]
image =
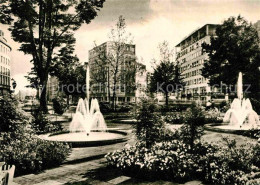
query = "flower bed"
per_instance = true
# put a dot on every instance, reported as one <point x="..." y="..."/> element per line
<point x="173" y="160"/>
<point x="181" y="156"/>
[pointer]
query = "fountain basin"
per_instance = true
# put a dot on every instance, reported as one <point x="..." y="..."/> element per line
<point x="80" y="139"/>
<point x="232" y="129"/>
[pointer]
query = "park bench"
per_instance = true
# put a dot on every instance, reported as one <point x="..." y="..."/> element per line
<point x="6" y="173"/>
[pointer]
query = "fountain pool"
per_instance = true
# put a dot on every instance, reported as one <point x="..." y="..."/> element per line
<point x="240" y="117"/>
<point x="88" y="127"/>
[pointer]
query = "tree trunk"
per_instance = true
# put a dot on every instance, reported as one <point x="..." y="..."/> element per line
<point x="108" y="86"/>
<point x="43" y="97"/>
<point x="166" y="99"/>
<point x="37" y="95"/>
<point x="114" y="99"/>
<point x="68" y="100"/>
<point x="114" y="92"/>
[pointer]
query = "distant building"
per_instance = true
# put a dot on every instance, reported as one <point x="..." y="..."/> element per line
<point x="257" y="26"/>
<point x="5" y="65"/>
<point x="52" y="88"/>
<point x="142" y="77"/>
<point x="102" y="78"/>
<point x="26" y="94"/>
<point x="191" y="59"/>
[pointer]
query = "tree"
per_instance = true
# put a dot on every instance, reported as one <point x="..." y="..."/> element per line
<point x="34" y="81"/>
<point x="166" y="77"/>
<point x="116" y="58"/>
<point x="234" y="49"/>
<point x="70" y="73"/>
<point x="43" y="26"/>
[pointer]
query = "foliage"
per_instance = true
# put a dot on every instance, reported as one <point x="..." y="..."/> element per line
<point x="174" y="117"/>
<point x="194" y="121"/>
<point x="167" y="160"/>
<point x="11" y="118"/>
<point x="173" y="160"/>
<point x="41" y="124"/>
<point x="234" y="49"/>
<point x="255" y="105"/>
<point x="52" y="153"/>
<point x="149" y="127"/>
<point x="224" y="106"/>
<point x="20" y="146"/>
<point x="166" y="77"/>
<point x="59" y="105"/>
<point x="70" y="73"/>
<point x="213" y="116"/>
<point x="232" y="165"/>
<point x="30" y="154"/>
<point x="53" y="21"/>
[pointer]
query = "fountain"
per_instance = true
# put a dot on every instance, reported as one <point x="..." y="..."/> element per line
<point x="241" y="116"/>
<point x="241" y="113"/>
<point x="87" y="119"/>
<point x="88" y="127"/>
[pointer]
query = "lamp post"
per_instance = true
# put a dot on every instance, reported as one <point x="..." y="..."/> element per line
<point x="87" y="79"/>
<point x="14" y="84"/>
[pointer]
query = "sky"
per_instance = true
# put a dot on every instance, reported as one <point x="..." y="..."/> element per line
<point x="149" y="21"/>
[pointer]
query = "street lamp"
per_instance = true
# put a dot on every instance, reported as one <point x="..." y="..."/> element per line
<point x="14" y="84"/>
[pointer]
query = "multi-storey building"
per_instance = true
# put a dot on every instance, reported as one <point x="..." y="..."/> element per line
<point x="190" y="56"/>
<point x="102" y="69"/>
<point x="52" y="88"/>
<point x="5" y="65"/>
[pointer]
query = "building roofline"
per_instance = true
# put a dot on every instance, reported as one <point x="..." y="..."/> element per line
<point x="4" y="42"/>
<point x="104" y="43"/>
<point x="194" y="32"/>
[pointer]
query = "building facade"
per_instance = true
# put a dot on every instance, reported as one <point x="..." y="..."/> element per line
<point x="5" y="65"/>
<point x="142" y="77"/>
<point x="257" y="27"/>
<point x="190" y="56"/>
<point x="102" y="70"/>
<point x="52" y="88"/>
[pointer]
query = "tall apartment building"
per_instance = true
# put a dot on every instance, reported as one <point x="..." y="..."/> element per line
<point x="5" y="65"/>
<point x="101" y="75"/>
<point x="191" y="58"/>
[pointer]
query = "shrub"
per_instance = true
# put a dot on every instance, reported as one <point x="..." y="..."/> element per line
<point x="59" y="105"/>
<point x="224" y="106"/>
<point x="41" y="124"/>
<point x="174" y="118"/>
<point x="52" y="153"/>
<point x="255" y="105"/>
<point x="149" y="127"/>
<point x="232" y="164"/>
<point x="194" y="121"/>
<point x="11" y="117"/>
<point x="213" y="116"/>
<point x="20" y="146"/>
<point x="29" y="153"/>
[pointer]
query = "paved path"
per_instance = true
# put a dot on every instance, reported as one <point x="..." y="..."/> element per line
<point x="81" y="161"/>
<point x="88" y="166"/>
